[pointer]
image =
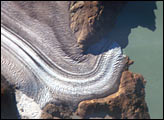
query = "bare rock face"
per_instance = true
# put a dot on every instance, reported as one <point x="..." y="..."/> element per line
<point x="52" y="111"/>
<point x="8" y="103"/>
<point x="90" y="20"/>
<point x="127" y="103"/>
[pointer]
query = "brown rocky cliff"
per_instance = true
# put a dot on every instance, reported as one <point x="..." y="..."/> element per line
<point x="90" y="20"/>
<point x="127" y="103"/>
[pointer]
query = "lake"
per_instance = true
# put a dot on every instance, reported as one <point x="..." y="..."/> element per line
<point x="139" y="31"/>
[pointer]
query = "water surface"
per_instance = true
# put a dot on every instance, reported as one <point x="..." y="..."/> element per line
<point x="139" y="30"/>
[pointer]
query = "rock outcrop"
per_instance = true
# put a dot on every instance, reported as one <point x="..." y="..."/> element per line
<point x="127" y="103"/>
<point x="8" y="102"/>
<point x="90" y="20"/>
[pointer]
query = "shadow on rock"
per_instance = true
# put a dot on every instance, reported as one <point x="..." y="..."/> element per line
<point x="134" y="14"/>
<point x="8" y="101"/>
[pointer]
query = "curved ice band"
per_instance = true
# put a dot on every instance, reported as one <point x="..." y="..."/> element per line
<point x="103" y="83"/>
